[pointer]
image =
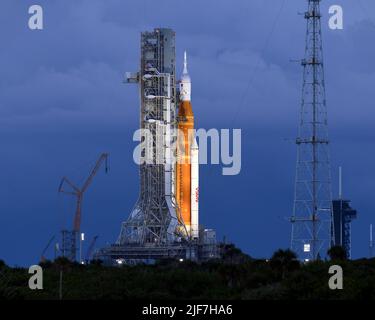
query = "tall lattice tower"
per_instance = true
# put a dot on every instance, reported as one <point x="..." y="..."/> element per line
<point x="155" y="218"/>
<point x="312" y="226"/>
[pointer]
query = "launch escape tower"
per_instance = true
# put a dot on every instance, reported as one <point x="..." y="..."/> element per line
<point x="312" y="214"/>
<point x="155" y="218"/>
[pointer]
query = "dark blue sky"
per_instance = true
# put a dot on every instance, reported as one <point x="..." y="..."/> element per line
<point x="62" y="102"/>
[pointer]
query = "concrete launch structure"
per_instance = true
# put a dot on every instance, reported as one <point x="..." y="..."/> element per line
<point x="187" y="171"/>
<point x="164" y="222"/>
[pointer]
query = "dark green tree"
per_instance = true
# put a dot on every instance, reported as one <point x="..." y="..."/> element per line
<point x="284" y="261"/>
<point x="337" y="253"/>
<point x="2" y="264"/>
<point x="233" y="255"/>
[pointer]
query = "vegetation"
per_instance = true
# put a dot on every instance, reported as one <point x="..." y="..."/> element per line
<point x="235" y="276"/>
<point x="337" y="253"/>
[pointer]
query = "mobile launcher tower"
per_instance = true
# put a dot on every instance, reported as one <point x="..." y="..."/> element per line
<point x="164" y="221"/>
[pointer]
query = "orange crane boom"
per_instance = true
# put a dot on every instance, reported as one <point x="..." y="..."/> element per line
<point x="79" y="192"/>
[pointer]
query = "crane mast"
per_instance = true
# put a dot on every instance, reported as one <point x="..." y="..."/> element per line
<point x="70" y="238"/>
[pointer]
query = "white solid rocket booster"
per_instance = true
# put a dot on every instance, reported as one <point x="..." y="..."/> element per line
<point x="194" y="156"/>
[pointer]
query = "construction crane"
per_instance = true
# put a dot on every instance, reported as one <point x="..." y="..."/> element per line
<point x="90" y="249"/>
<point x="70" y="238"/>
<point x="42" y="257"/>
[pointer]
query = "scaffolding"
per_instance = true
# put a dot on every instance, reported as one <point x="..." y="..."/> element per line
<point x="69" y="244"/>
<point x="343" y="214"/>
<point x="154" y="219"/>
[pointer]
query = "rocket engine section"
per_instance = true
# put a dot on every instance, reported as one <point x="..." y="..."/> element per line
<point x="187" y="168"/>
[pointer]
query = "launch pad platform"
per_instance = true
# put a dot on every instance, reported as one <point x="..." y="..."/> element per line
<point x="133" y="253"/>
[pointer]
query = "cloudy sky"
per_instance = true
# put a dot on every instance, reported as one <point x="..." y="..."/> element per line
<point x="62" y="102"/>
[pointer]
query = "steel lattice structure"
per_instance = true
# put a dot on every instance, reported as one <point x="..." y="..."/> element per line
<point x="155" y="219"/>
<point x="312" y="226"/>
<point x="343" y="214"/>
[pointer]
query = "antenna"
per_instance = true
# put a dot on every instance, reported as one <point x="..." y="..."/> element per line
<point x="371" y="242"/>
<point x="340" y="183"/>
<point x="341" y="205"/>
<point x="185" y="63"/>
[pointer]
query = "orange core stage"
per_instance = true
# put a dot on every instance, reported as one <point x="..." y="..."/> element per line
<point x="183" y="170"/>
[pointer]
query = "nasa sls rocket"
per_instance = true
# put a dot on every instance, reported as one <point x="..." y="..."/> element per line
<point x="187" y="168"/>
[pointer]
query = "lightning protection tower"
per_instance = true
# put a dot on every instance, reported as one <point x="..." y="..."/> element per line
<point x="312" y="227"/>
